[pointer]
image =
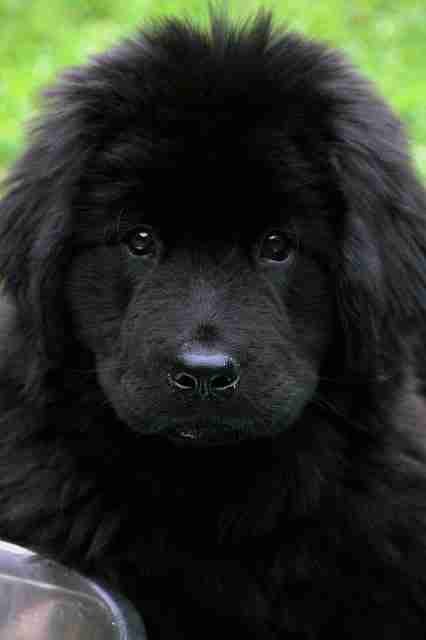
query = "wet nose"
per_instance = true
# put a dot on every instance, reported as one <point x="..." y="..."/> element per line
<point x="205" y="374"/>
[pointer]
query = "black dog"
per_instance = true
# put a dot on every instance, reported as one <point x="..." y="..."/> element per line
<point x="214" y="266"/>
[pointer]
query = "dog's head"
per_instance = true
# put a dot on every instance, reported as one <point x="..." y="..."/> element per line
<point x="214" y="224"/>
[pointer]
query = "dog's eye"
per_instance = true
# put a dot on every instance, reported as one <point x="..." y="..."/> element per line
<point x="140" y="242"/>
<point x="276" y="246"/>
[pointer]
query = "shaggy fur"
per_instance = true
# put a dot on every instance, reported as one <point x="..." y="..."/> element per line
<point x="241" y="194"/>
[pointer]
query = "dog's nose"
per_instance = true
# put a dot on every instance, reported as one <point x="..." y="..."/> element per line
<point x="205" y="374"/>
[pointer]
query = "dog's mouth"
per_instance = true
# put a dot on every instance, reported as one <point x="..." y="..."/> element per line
<point x="206" y="435"/>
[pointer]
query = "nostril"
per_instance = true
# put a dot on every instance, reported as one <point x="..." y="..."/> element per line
<point x="184" y="381"/>
<point x="221" y="382"/>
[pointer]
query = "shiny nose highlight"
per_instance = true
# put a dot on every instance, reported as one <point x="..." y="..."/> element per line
<point x="205" y="374"/>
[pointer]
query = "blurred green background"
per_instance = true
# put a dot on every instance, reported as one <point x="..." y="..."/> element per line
<point x="386" y="38"/>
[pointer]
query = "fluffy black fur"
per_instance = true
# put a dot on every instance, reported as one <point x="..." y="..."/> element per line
<point x="296" y="508"/>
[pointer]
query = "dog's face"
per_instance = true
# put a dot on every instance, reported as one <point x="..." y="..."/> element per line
<point x="203" y="238"/>
<point x="213" y="220"/>
<point x="205" y="301"/>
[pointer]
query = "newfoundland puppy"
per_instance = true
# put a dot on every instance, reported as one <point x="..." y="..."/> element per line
<point x="213" y="317"/>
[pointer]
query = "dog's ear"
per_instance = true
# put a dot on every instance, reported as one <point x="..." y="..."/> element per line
<point x="35" y="225"/>
<point x="381" y="269"/>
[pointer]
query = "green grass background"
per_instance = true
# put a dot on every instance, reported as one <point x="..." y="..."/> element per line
<point x="386" y="38"/>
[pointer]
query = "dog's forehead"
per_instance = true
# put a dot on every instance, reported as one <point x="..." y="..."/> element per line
<point x="203" y="204"/>
<point x="187" y="212"/>
<point x="209" y="194"/>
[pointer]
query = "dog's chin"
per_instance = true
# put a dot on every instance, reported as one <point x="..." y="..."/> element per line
<point x="207" y="431"/>
<point x="193" y="433"/>
<point x="204" y="436"/>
